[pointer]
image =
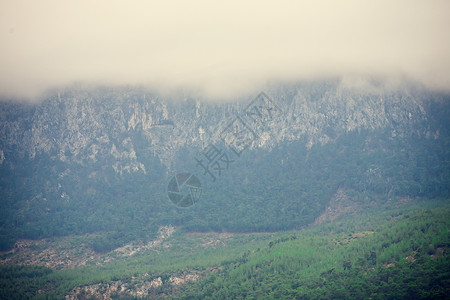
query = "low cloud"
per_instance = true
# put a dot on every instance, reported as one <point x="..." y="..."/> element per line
<point x="219" y="50"/>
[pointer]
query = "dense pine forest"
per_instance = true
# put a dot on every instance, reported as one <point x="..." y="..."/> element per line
<point x="405" y="257"/>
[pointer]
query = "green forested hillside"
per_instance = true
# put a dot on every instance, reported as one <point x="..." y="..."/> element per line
<point x="402" y="257"/>
<point x="398" y="252"/>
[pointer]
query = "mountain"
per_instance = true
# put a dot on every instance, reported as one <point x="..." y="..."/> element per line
<point x="99" y="160"/>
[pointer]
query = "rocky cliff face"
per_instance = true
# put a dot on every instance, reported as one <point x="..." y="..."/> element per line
<point x="83" y="127"/>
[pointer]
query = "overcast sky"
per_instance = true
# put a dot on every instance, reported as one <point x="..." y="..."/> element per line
<point x="218" y="49"/>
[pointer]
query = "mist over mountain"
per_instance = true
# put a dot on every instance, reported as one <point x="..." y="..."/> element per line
<point x="219" y="50"/>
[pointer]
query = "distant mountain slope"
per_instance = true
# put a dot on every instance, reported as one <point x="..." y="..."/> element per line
<point x="84" y="161"/>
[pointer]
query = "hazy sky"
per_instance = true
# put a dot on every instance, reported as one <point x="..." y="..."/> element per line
<point x="218" y="49"/>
